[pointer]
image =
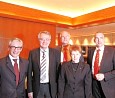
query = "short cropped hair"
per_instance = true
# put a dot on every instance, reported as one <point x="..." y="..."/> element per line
<point x="18" y="39"/>
<point x="75" y="48"/>
<point x="44" y="32"/>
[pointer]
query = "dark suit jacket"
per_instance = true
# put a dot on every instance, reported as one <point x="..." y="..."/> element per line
<point x="34" y="66"/>
<point x="8" y="88"/>
<point x="75" y="84"/>
<point x="107" y="67"/>
<point x="59" y="49"/>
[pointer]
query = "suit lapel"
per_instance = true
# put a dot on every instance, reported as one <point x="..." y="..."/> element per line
<point x="38" y="57"/>
<point x="91" y="55"/>
<point x="105" y="54"/>
<point x="22" y="69"/>
<point x="50" y="59"/>
<point x="9" y="65"/>
<point x="70" y="67"/>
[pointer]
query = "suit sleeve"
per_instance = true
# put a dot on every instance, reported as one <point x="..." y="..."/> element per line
<point x="29" y="75"/>
<point x="61" y="82"/>
<point x="111" y="74"/>
<point x="88" y="82"/>
<point x="81" y="58"/>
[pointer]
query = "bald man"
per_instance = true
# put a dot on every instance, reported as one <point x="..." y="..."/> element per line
<point x="65" y="46"/>
<point x="104" y="78"/>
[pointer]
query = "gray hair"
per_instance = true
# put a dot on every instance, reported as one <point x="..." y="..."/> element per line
<point x="44" y="32"/>
<point x="18" y="39"/>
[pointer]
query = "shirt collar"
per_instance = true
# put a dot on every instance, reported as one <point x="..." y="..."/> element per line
<point x="13" y="57"/>
<point x="46" y="50"/>
<point x="100" y="48"/>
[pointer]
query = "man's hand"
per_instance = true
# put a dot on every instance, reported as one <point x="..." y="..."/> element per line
<point x="99" y="76"/>
<point x="30" y="95"/>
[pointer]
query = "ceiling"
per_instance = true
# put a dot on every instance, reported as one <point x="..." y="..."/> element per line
<point x="71" y="8"/>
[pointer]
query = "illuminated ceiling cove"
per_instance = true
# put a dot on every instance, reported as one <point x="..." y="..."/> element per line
<point x="71" y="8"/>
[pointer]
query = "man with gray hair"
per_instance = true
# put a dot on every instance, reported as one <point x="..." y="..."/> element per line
<point x="43" y="69"/>
<point x="13" y="71"/>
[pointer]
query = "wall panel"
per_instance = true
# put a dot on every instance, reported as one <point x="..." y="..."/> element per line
<point x="26" y="30"/>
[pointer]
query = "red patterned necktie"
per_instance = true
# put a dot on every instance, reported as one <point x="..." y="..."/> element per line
<point x="16" y="71"/>
<point x="96" y="63"/>
<point x="66" y="53"/>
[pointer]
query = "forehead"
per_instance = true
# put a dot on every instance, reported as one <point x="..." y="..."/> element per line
<point x="99" y="35"/>
<point x="16" y="42"/>
<point x="65" y="34"/>
<point x="75" y="51"/>
<point x="43" y="35"/>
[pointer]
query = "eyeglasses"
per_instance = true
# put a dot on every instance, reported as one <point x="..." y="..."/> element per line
<point x="42" y="39"/>
<point x="14" y="47"/>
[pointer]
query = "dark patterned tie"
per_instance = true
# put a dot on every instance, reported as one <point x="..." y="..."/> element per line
<point x="43" y="67"/>
<point x="16" y="71"/>
<point x="96" y="63"/>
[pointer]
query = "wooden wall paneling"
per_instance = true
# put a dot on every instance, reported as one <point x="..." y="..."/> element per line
<point x="26" y="30"/>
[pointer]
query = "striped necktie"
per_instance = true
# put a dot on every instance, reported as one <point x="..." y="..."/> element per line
<point x="43" y="67"/>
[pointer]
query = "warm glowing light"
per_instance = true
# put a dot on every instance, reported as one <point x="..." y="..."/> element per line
<point x="85" y="42"/>
<point x="71" y="42"/>
<point x="59" y="7"/>
<point x="77" y="42"/>
<point x="92" y="41"/>
<point x="107" y="41"/>
<point x="56" y="42"/>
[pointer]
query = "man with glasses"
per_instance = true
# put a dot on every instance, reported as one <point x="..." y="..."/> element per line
<point x="43" y="69"/>
<point x="13" y="71"/>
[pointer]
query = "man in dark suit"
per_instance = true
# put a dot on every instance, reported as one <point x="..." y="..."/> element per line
<point x="42" y="76"/>
<point x="12" y="73"/>
<point x="65" y="47"/>
<point x="103" y="74"/>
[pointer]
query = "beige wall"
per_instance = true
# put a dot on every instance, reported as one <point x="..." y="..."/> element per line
<point x="84" y="36"/>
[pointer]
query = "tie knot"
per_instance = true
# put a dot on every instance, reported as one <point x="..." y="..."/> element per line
<point x="98" y="50"/>
<point x="15" y="60"/>
<point x="43" y="53"/>
<point x="66" y="47"/>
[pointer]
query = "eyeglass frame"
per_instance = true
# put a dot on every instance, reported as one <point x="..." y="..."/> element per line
<point x="14" y="47"/>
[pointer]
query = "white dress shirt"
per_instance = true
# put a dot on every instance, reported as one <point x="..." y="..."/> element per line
<point x="11" y="58"/>
<point x="100" y="56"/>
<point x="47" y="63"/>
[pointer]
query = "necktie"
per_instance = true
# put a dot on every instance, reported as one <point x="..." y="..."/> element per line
<point x="96" y="63"/>
<point x="43" y="67"/>
<point x="66" y="53"/>
<point x="16" y="71"/>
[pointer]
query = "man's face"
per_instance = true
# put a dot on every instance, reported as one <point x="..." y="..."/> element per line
<point x="15" y="48"/>
<point x="44" y="40"/>
<point x="65" y="37"/>
<point x="99" y="39"/>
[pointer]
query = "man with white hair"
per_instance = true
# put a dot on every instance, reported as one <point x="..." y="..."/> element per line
<point x="65" y="47"/>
